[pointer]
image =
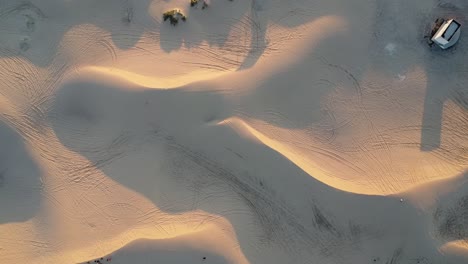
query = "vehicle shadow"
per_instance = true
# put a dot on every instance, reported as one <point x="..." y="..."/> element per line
<point x="295" y="103"/>
<point x="447" y="77"/>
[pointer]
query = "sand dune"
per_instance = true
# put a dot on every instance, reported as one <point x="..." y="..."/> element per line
<point x="207" y="245"/>
<point x="254" y="132"/>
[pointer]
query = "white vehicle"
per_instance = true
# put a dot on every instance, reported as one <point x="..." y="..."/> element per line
<point x="447" y="34"/>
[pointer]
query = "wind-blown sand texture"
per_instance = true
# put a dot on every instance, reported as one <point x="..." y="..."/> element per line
<point x="258" y="131"/>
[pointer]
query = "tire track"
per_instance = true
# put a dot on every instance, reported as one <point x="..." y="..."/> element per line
<point x="109" y="47"/>
<point x="274" y="217"/>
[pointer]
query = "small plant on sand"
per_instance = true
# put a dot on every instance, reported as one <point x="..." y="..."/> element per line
<point x="195" y="2"/>
<point x="174" y="15"/>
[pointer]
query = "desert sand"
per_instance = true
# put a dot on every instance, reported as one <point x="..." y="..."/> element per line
<point x="257" y="131"/>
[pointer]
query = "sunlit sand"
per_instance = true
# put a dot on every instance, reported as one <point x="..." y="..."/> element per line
<point x="252" y="132"/>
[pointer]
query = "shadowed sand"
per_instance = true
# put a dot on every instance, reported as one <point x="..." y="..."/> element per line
<point x="256" y="132"/>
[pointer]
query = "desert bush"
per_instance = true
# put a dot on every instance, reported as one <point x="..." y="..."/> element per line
<point x="173" y="16"/>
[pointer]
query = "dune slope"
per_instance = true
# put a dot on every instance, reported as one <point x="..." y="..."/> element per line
<point x="255" y="132"/>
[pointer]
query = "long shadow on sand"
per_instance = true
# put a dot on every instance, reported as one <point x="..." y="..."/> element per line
<point x="295" y="223"/>
<point x="288" y="101"/>
<point x="226" y="29"/>
<point x="447" y="73"/>
<point x="20" y="190"/>
<point x="165" y="251"/>
<point x="268" y="190"/>
<point x="34" y="29"/>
